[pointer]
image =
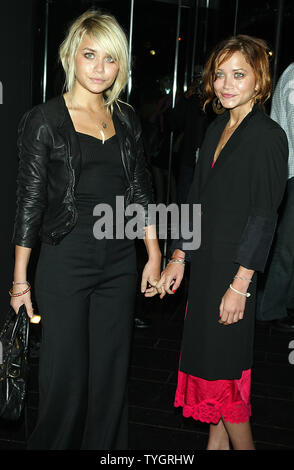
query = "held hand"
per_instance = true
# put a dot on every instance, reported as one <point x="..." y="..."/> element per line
<point x="24" y="299"/>
<point x="231" y="308"/>
<point x="172" y="275"/>
<point x="151" y="275"/>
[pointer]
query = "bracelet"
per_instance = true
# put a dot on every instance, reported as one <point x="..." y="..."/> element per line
<point x="25" y="282"/>
<point x="173" y="260"/>
<point x="19" y="293"/>
<point x="242" y="278"/>
<point x="238" y="292"/>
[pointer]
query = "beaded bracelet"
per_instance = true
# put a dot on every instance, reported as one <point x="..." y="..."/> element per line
<point x="20" y="293"/>
<point x="173" y="260"/>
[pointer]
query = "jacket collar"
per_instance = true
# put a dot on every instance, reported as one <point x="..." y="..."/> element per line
<point x="207" y="174"/>
<point x="66" y="128"/>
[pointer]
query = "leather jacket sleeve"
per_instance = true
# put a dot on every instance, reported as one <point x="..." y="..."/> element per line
<point x="142" y="183"/>
<point x="31" y="193"/>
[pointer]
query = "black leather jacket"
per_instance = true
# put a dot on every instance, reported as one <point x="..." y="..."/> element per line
<point x="50" y="166"/>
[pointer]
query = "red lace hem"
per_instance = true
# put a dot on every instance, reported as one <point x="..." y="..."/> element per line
<point x="209" y="400"/>
<point x="210" y="411"/>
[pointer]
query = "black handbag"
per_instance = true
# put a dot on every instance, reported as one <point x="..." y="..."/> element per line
<point x="14" y="338"/>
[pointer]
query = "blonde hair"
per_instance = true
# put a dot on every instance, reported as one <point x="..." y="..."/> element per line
<point x="105" y="30"/>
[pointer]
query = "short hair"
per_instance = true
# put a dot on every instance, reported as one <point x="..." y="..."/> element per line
<point x="256" y="53"/>
<point x="105" y="30"/>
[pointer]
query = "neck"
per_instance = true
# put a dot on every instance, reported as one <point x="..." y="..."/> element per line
<point x="80" y="98"/>
<point x="238" y="114"/>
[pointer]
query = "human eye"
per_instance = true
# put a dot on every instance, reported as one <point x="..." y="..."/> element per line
<point x="219" y="74"/>
<point x="239" y="74"/>
<point x="110" y="59"/>
<point x="89" y="55"/>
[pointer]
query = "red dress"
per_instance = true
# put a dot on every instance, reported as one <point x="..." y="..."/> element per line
<point x="209" y="400"/>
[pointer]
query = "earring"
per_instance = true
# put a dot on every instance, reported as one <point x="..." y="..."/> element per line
<point x="217" y="106"/>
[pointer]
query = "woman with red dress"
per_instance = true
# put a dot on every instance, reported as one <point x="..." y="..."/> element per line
<point x="239" y="180"/>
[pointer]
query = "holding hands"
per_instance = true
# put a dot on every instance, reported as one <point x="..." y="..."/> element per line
<point x="232" y="306"/>
<point x="172" y="275"/>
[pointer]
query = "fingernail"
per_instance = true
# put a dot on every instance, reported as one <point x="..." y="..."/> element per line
<point x="174" y="290"/>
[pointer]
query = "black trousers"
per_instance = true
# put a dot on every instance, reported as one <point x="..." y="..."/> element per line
<point x="85" y="292"/>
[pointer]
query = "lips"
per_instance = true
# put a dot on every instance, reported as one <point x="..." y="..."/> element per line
<point x="227" y="96"/>
<point x="97" y="80"/>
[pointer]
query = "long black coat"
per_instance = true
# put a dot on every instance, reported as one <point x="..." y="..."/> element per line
<point x="239" y="197"/>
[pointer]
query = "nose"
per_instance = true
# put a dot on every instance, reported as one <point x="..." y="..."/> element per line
<point x="228" y="81"/>
<point x="99" y="65"/>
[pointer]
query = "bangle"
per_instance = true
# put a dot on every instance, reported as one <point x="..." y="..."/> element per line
<point x="238" y="292"/>
<point x="174" y="260"/>
<point x="17" y="294"/>
<point x="242" y="278"/>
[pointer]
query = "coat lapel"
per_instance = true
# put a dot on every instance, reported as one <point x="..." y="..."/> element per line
<point x="228" y="152"/>
<point x="209" y="151"/>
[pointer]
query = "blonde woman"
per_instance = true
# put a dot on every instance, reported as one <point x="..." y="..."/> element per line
<point x="76" y="151"/>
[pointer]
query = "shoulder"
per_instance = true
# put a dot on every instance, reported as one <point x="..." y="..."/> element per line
<point x="261" y="125"/>
<point x="286" y="80"/>
<point x="43" y="113"/>
<point x="218" y="122"/>
<point x="269" y="137"/>
<point x="284" y="91"/>
<point x="39" y="122"/>
<point x="125" y="111"/>
<point x="127" y="114"/>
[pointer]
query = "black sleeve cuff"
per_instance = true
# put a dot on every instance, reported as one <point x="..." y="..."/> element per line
<point x="256" y="242"/>
<point x="178" y="245"/>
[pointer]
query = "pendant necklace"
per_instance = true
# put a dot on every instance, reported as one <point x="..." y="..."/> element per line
<point x="104" y="125"/>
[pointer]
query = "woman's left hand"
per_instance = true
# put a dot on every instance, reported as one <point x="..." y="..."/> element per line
<point x="232" y="308"/>
<point x="151" y="275"/>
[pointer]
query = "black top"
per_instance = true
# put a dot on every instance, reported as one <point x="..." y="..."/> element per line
<point x="50" y="166"/>
<point x="102" y="176"/>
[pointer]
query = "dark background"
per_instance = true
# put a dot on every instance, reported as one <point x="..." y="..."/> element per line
<point x="203" y="23"/>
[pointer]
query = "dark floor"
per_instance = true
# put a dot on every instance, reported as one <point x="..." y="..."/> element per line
<point x="154" y="422"/>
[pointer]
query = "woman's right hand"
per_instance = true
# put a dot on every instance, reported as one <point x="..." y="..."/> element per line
<point x="24" y="299"/>
<point x="172" y="275"/>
